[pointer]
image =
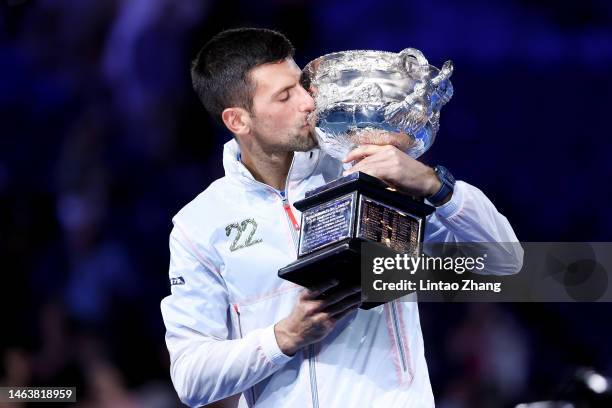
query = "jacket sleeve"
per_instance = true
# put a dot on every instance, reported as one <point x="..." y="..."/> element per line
<point x="207" y="361"/>
<point x="470" y="217"/>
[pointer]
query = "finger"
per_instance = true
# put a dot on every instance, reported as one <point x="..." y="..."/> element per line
<point x="348" y="311"/>
<point x="378" y="166"/>
<point x="338" y="292"/>
<point x="316" y="291"/>
<point x="360" y="164"/>
<point x="339" y="295"/>
<point x="383" y="137"/>
<point x="362" y="151"/>
<point x="350" y="302"/>
<point x="368" y="168"/>
<point x="380" y="161"/>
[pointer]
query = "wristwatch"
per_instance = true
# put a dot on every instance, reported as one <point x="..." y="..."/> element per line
<point x="448" y="184"/>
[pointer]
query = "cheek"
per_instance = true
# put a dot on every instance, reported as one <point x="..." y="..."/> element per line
<point x="276" y="120"/>
<point x="279" y="119"/>
<point x="269" y="125"/>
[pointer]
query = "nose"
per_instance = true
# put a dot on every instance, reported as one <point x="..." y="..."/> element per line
<point x="307" y="103"/>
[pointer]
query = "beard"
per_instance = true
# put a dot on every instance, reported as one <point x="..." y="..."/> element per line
<point x="302" y="143"/>
<point x="275" y="139"/>
<point x="299" y="140"/>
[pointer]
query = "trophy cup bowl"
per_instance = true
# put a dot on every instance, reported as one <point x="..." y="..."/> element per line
<point x="377" y="97"/>
<point x="365" y="97"/>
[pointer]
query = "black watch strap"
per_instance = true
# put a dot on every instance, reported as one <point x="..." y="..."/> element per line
<point x="448" y="184"/>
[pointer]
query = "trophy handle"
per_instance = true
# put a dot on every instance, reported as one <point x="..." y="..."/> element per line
<point x="444" y="74"/>
<point x="413" y="60"/>
<point x="444" y="89"/>
<point x="416" y="65"/>
<point x="411" y="113"/>
<point x="428" y="96"/>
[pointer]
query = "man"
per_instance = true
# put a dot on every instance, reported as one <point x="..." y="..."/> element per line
<point x="233" y="326"/>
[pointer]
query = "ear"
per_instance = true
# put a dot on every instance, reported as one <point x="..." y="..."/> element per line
<point x="237" y="120"/>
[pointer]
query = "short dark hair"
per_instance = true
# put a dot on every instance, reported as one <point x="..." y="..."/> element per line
<point x="220" y="71"/>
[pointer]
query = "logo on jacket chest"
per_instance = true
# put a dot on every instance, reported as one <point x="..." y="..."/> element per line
<point x="245" y="230"/>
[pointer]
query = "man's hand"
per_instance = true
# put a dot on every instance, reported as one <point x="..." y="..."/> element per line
<point x="394" y="167"/>
<point x="314" y="316"/>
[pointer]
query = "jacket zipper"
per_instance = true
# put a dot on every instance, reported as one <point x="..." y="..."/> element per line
<point x="398" y="338"/>
<point x="313" y="376"/>
<point x="295" y="228"/>
<point x="237" y="310"/>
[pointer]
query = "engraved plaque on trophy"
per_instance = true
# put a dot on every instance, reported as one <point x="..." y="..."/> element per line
<point x="365" y="97"/>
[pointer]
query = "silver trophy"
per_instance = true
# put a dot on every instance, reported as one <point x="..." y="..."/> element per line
<point x="366" y="97"/>
<point x="377" y="97"/>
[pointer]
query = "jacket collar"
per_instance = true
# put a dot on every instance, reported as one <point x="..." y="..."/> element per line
<point x="303" y="165"/>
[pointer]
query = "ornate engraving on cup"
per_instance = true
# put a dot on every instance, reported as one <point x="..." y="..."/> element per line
<point x="377" y="97"/>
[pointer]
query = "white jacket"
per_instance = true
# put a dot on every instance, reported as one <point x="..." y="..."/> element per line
<point x="226" y="248"/>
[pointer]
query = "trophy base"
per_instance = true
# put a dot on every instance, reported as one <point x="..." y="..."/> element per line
<point x="339" y="216"/>
<point x="341" y="261"/>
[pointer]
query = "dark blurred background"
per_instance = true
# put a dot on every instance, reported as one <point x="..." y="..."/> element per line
<point x="102" y="141"/>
